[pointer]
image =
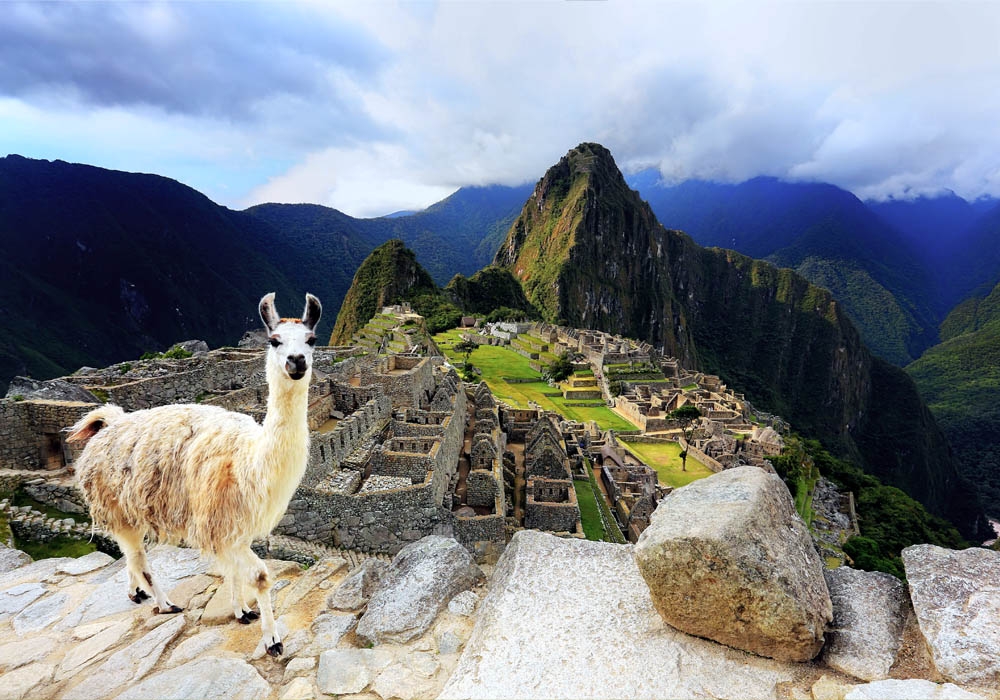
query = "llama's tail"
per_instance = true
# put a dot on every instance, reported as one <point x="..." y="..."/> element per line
<point x="88" y="426"/>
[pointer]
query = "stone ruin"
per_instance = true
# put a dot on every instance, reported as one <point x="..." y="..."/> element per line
<point x="386" y="437"/>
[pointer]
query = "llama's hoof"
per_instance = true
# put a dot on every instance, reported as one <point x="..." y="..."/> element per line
<point x="276" y="649"/>
<point x="139" y="596"/>
<point x="248" y="617"/>
<point x="169" y="611"/>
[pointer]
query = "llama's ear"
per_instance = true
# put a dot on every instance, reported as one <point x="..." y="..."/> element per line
<point x="268" y="314"/>
<point x="312" y="312"/>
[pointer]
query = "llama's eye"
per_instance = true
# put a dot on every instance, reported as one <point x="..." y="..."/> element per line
<point x="311" y="341"/>
<point x="274" y="342"/>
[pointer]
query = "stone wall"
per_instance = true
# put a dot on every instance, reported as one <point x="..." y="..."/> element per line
<point x="327" y="450"/>
<point x="409" y="382"/>
<point x="185" y="386"/>
<point x="379" y="522"/>
<point x="547" y="514"/>
<point x="31" y="434"/>
<point x="482" y="488"/>
<point x="65" y="496"/>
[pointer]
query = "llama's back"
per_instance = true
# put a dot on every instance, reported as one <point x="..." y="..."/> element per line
<point x="162" y="470"/>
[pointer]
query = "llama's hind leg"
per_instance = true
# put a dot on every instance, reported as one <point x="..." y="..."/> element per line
<point x="255" y="571"/>
<point x="140" y="575"/>
<point x="130" y="543"/>
<point x="233" y="573"/>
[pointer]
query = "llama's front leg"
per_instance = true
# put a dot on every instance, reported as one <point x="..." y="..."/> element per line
<point x="260" y="579"/>
<point x="139" y="573"/>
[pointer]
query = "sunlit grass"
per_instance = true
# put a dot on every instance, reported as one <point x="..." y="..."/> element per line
<point x="590" y="516"/>
<point x="665" y="458"/>
<point x="498" y="363"/>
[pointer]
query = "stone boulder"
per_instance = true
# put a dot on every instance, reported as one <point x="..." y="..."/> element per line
<point x="49" y="390"/>
<point x="727" y="558"/>
<point x="869" y="611"/>
<point x="956" y="599"/>
<point x="11" y="559"/>
<point x="421" y="580"/>
<point x="355" y="590"/>
<point x="195" y="347"/>
<point x="568" y="618"/>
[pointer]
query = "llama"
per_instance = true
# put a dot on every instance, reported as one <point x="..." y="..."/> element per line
<point x="210" y="477"/>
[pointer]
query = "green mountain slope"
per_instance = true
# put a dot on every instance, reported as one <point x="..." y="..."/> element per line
<point x="589" y="252"/>
<point x="389" y="275"/>
<point x="100" y="266"/>
<point x="824" y="233"/>
<point x="960" y="380"/>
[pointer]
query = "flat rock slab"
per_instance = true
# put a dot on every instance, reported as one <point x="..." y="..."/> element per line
<point x="912" y="689"/>
<point x="85" y="564"/>
<point x="728" y="558"/>
<point x="347" y="671"/>
<point x="170" y="566"/>
<point x="128" y="665"/>
<point x="956" y="598"/>
<point x="421" y="580"/>
<point x="40" y="614"/>
<point x="869" y="611"/>
<point x="574" y="619"/>
<point x="206" y="679"/>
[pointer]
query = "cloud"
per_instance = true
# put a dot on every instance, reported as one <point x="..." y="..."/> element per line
<point x="362" y="182"/>
<point x="372" y="107"/>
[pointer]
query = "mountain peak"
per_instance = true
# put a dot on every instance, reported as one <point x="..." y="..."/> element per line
<point x="388" y="275"/>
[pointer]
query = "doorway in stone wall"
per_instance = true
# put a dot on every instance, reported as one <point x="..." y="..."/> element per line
<point x="52" y="452"/>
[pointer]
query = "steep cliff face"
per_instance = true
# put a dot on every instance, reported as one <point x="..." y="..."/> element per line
<point x="590" y="253"/>
<point x="388" y="275"/>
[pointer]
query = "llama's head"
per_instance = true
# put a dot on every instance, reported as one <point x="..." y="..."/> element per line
<point x="291" y="339"/>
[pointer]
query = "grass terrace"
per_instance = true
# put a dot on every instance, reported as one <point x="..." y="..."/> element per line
<point x="665" y="458"/>
<point x="590" y="516"/>
<point x="498" y="364"/>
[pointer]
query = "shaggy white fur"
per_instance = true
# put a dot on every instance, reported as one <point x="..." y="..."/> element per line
<point x="210" y="477"/>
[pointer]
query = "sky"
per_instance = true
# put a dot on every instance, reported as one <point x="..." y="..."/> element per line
<point x="374" y="107"/>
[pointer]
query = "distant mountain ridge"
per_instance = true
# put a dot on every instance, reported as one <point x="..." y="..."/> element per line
<point x="590" y="253"/>
<point x="960" y="380"/>
<point x="826" y="234"/>
<point x="104" y="265"/>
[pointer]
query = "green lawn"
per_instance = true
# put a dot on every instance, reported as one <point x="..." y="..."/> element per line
<point x="497" y="363"/>
<point x="590" y="516"/>
<point x="665" y="458"/>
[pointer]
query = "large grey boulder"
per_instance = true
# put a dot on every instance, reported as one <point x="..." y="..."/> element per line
<point x="421" y="580"/>
<point x="567" y="618"/>
<point x="11" y="559"/>
<point x="727" y="558"/>
<point x="869" y="611"/>
<point x="956" y="598"/>
<point x="355" y="590"/>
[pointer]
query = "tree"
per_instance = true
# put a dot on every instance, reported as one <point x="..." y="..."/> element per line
<point x="560" y="368"/>
<point x="466" y="347"/>
<point x="687" y="415"/>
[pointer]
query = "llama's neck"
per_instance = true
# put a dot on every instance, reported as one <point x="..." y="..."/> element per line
<point x="283" y="447"/>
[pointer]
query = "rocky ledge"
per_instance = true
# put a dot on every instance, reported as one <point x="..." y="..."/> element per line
<point x="557" y="618"/>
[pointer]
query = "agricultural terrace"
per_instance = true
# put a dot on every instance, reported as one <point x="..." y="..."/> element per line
<point x="665" y="458"/>
<point x="497" y="364"/>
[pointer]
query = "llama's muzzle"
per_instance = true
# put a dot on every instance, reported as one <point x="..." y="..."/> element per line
<point x="296" y="367"/>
